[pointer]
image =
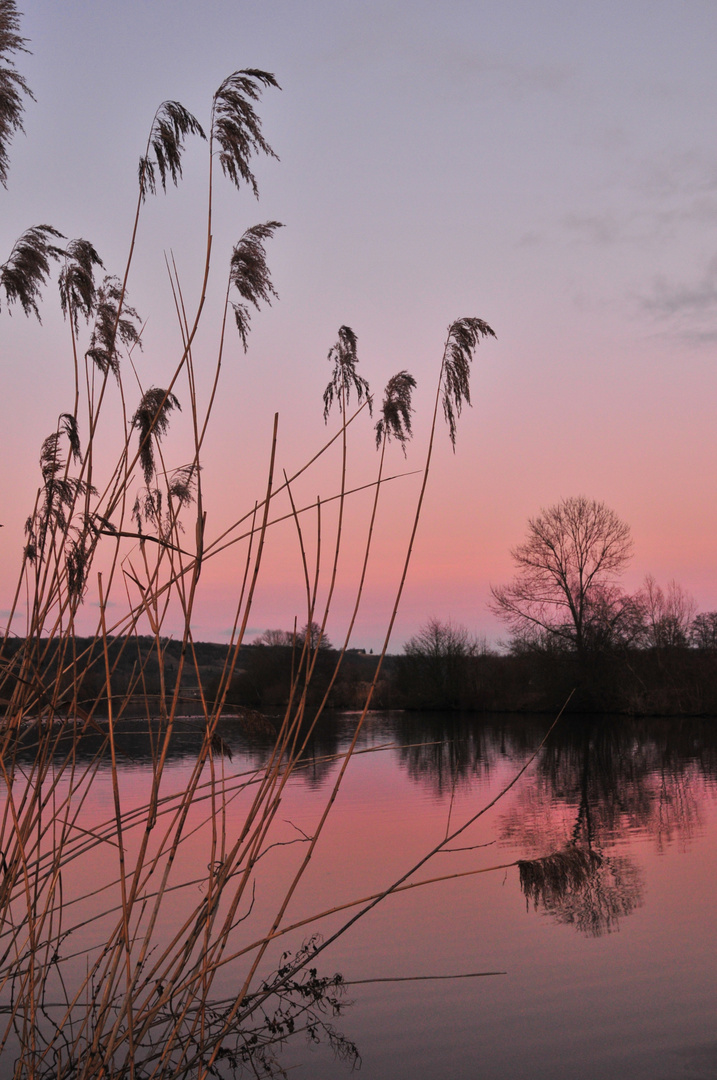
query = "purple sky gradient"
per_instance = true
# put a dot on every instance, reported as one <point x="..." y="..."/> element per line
<point x="549" y="167"/>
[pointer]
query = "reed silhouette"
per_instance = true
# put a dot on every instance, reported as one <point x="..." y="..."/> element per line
<point x="139" y="997"/>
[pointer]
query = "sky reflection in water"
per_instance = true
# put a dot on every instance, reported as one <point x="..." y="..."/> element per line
<point x="608" y="945"/>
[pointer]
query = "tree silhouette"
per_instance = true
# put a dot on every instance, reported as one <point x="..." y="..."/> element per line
<point x="563" y="592"/>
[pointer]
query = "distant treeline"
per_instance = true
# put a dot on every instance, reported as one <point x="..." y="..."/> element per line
<point x="650" y="682"/>
<point x="675" y="680"/>
<point x="67" y="675"/>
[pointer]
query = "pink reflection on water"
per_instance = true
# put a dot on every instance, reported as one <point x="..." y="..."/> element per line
<point x="597" y="1002"/>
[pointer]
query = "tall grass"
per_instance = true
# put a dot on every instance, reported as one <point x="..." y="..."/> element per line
<point x="120" y="978"/>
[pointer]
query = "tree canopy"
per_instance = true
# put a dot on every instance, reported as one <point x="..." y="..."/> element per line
<point x="564" y="592"/>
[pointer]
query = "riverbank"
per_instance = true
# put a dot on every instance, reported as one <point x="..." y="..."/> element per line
<point x="665" y="682"/>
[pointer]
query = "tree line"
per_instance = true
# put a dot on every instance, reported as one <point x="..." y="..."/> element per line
<point x="566" y="594"/>
<point x="574" y="630"/>
<point x="573" y="633"/>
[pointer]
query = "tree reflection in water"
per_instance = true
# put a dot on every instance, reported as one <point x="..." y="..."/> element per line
<point x="446" y="750"/>
<point x="597" y="780"/>
<point x="580" y="888"/>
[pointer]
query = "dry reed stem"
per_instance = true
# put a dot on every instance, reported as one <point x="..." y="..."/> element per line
<point x="128" y="1000"/>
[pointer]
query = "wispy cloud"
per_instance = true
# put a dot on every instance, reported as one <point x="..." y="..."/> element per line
<point x="647" y="201"/>
<point x="531" y="239"/>
<point x="509" y="73"/>
<point x="678" y="175"/>
<point x="605" y="228"/>
<point x="698" y="298"/>
<point x="698" y="337"/>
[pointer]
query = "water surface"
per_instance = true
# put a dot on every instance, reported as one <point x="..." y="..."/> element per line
<point x="607" y="955"/>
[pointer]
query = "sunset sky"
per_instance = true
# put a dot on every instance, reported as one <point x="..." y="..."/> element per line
<point x="548" y="166"/>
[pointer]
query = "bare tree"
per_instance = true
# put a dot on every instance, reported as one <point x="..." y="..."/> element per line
<point x="667" y="614"/>
<point x="285" y="638"/>
<point x="445" y="639"/>
<point x="703" y="632"/>
<point x="437" y="669"/>
<point x="274" y="637"/>
<point x="564" y="591"/>
<point x="317" y="639"/>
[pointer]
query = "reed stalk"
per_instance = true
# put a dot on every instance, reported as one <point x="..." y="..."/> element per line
<point x="108" y="966"/>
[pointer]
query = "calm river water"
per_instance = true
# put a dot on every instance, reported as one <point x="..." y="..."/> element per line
<point x="607" y="969"/>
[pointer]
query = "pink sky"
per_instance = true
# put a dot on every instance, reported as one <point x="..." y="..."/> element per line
<point x="549" y="167"/>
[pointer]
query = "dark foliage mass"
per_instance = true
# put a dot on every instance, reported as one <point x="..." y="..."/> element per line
<point x="658" y="672"/>
<point x="249" y="274"/>
<point x="703" y="632"/>
<point x="13" y="88"/>
<point x="465" y="680"/>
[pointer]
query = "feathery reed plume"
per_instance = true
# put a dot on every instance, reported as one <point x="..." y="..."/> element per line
<point x="77" y="281"/>
<point x="28" y="266"/>
<point x="463" y="338"/>
<point x="344" y="358"/>
<point x="77" y="560"/>
<point x="249" y="274"/>
<point x="171" y="124"/>
<point x="68" y="423"/>
<point x="236" y="125"/>
<point x="152" y="419"/>
<point x="395" y="419"/>
<point x="109" y="325"/>
<point x="12" y="84"/>
<point x="60" y="491"/>
<point x="182" y="484"/>
<point x="52" y="463"/>
<point x="141" y="999"/>
<point x="147" y="507"/>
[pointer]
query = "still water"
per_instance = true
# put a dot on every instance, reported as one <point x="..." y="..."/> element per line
<point x="616" y="977"/>
<point x="600" y="964"/>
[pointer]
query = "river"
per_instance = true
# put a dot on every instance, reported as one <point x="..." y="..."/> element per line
<point x="571" y="932"/>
